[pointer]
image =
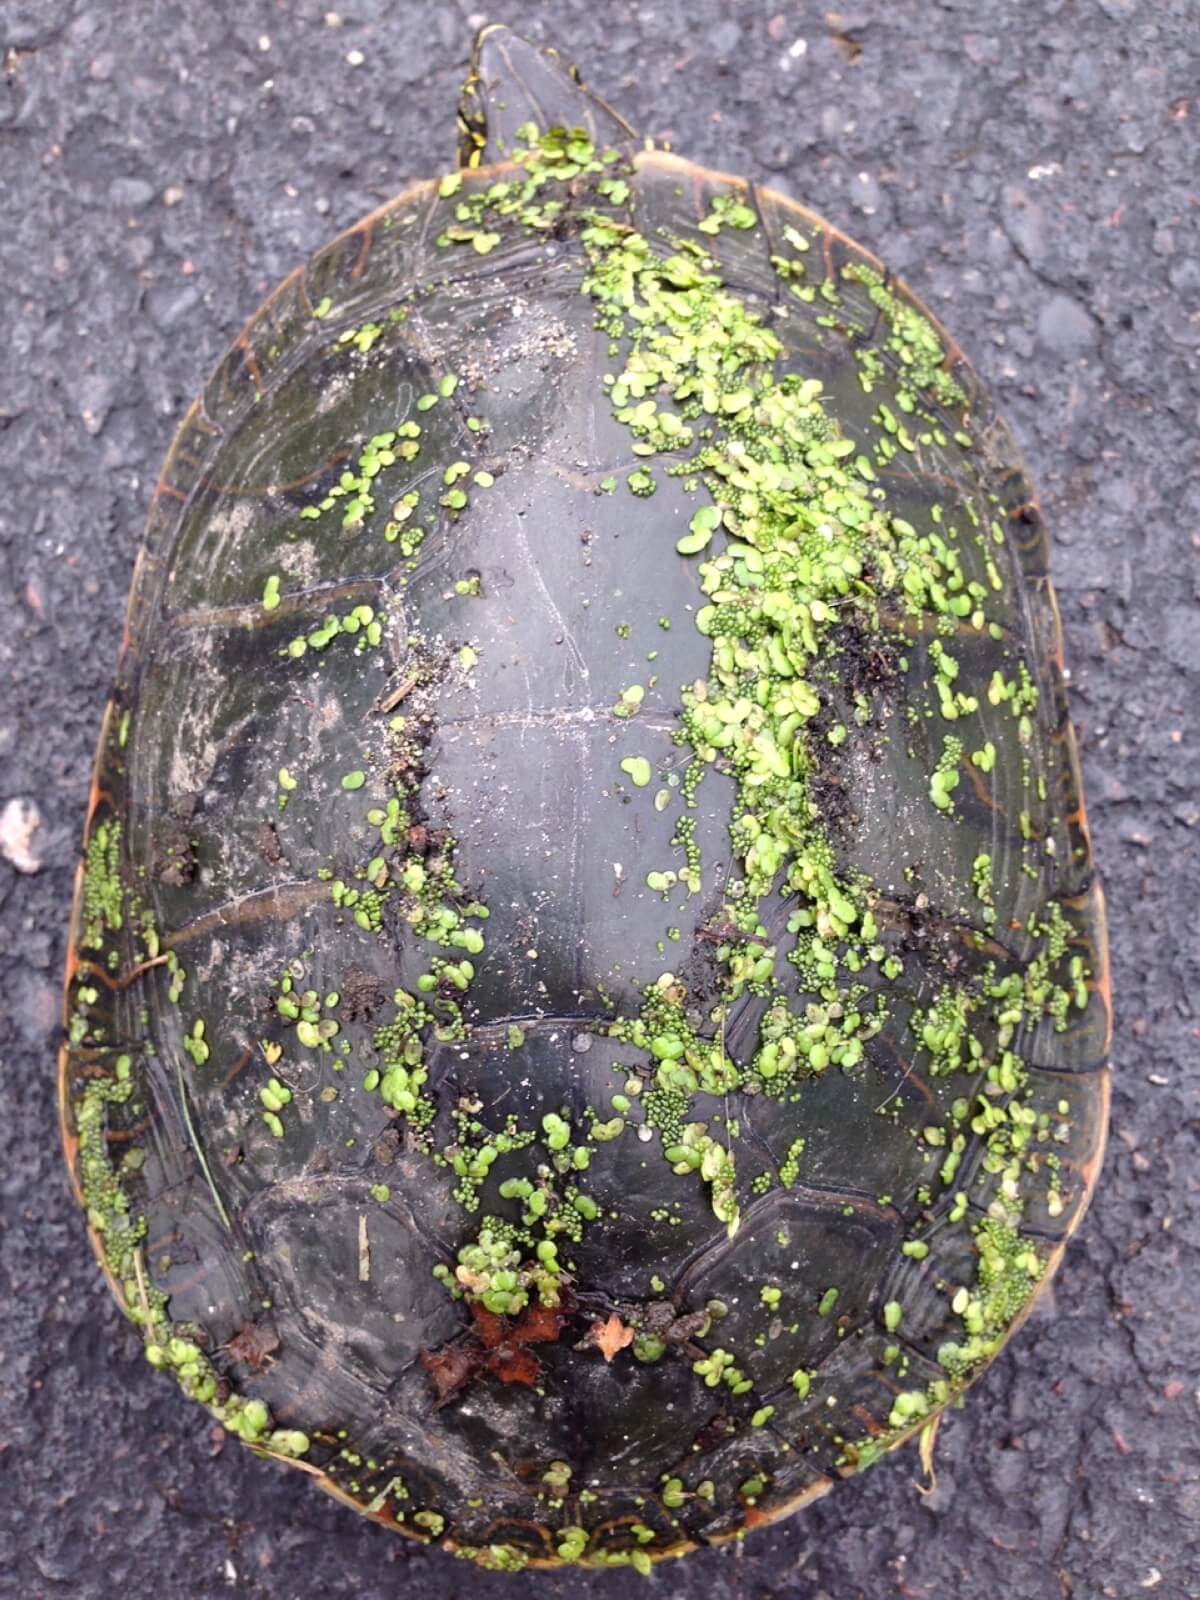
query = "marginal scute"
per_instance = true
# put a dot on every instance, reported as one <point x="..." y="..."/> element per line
<point x="1071" y="1114"/>
<point x="267" y="343"/>
<point x="382" y="256"/>
<point x="187" y="460"/>
<point x="1024" y="526"/>
<point x="1075" y="1039"/>
<point x="847" y="1410"/>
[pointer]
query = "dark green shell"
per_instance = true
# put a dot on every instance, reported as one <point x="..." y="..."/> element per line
<point x="421" y="892"/>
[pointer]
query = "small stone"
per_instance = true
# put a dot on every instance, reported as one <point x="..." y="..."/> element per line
<point x="167" y="308"/>
<point x="1181" y="637"/>
<point x="95" y="392"/>
<point x="724" y="38"/>
<point x="19" y="822"/>
<point x="130" y="194"/>
<point x="1066" y="327"/>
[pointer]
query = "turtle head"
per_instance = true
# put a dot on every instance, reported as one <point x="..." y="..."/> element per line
<point x="512" y="82"/>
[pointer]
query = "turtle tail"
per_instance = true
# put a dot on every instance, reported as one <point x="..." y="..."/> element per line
<point x="512" y="82"/>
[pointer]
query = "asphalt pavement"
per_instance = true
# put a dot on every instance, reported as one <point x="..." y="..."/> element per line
<point x="1030" y="167"/>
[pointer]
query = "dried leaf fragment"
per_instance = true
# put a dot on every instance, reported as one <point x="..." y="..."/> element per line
<point x="513" y="1365"/>
<point x="449" y="1370"/>
<point x="926" y="1443"/>
<point x="254" y="1344"/>
<point x="609" y="1337"/>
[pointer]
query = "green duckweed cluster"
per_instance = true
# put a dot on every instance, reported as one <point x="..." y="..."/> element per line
<point x="103" y="894"/>
<point x="122" y="1234"/>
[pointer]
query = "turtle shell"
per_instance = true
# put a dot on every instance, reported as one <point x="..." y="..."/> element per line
<point x="587" y="1008"/>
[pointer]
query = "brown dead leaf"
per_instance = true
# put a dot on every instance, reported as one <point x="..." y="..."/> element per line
<point x="254" y="1344"/>
<point x="489" y="1328"/>
<point x="513" y="1365"/>
<point x="539" y="1325"/>
<point x="496" y="1347"/>
<point x="449" y="1370"/>
<point x="609" y="1337"/>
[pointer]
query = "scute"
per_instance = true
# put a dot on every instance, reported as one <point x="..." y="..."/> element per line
<point x="261" y="351"/>
<point x="411" y="900"/>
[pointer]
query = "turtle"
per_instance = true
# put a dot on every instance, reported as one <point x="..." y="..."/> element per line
<point x="587" y="1017"/>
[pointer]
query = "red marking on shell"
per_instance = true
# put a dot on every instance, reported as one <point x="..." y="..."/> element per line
<point x="239" y="1065"/>
<point x="124" y="1135"/>
<point x="827" y="249"/>
<point x="242" y="343"/>
<point x="870" y="1423"/>
<point x="364" y="250"/>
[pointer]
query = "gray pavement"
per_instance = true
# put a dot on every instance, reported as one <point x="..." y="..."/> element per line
<point x="1030" y="166"/>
